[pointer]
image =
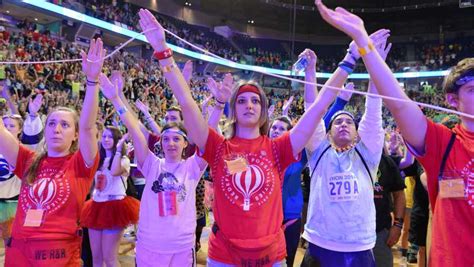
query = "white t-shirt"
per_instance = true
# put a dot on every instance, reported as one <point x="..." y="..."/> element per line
<point x="108" y="187"/>
<point x="171" y="233"/>
<point x="9" y="182"/>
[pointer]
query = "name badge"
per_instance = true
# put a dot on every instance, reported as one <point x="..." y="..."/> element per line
<point x="101" y="182"/>
<point x="343" y="187"/>
<point x="167" y="203"/>
<point x="34" y="218"/>
<point x="236" y="165"/>
<point x="453" y="188"/>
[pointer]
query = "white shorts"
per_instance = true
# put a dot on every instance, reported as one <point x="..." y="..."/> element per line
<point x="147" y="258"/>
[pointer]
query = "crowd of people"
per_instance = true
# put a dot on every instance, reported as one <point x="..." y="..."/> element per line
<point x="73" y="130"/>
<point x="428" y="56"/>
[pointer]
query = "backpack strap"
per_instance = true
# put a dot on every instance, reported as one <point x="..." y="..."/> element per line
<point x="365" y="165"/>
<point x="319" y="159"/>
<point x="446" y="155"/>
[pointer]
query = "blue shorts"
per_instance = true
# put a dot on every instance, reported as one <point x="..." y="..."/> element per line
<point x="330" y="258"/>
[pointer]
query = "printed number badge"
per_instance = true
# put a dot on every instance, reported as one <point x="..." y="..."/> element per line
<point x="343" y="187"/>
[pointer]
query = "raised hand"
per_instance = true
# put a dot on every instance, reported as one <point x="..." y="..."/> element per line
<point x="92" y="61"/>
<point x="121" y="142"/>
<point x="188" y="71"/>
<point x="271" y="110"/>
<point x="34" y="105"/>
<point x="343" y="20"/>
<point x="383" y="48"/>
<point x="116" y="77"/>
<point x="377" y="38"/>
<point x="312" y="59"/>
<point x="286" y="106"/>
<point x="222" y="90"/>
<point x="345" y="94"/>
<point x="154" y="32"/>
<point x="109" y="89"/>
<point x="142" y="107"/>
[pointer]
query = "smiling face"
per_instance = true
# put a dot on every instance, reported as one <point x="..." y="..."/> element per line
<point x="60" y="131"/>
<point x="108" y="140"/>
<point x="343" y="130"/>
<point x="173" y="143"/>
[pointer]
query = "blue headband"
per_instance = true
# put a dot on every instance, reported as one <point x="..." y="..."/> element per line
<point x="170" y="130"/>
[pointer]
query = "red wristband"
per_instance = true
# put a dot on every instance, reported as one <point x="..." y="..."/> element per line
<point x="163" y="54"/>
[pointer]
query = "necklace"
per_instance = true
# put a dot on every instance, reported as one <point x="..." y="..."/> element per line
<point x="344" y="148"/>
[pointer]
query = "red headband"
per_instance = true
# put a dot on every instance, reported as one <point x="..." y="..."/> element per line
<point x="248" y="88"/>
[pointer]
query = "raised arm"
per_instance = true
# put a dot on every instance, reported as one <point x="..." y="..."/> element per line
<point x="341" y="101"/>
<point x="221" y="92"/>
<point x="5" y="92"/>
<point x="304" y="129"/>
<point x="194" y="122"/>
<point x="146" y="111"/>
<point x="406" y="114"/>
<point x="10" y="146"/>
<point x="91" y="66"/>
<point x="119" y="167"/>
<point x="111" y="92"/>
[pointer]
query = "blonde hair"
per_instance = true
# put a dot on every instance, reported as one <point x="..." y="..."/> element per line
<point x="43" y="149"/>
<point x="263" y="120"/>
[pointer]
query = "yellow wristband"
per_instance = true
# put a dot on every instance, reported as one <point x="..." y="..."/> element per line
<point x="366" y="50"/>
<point x="168" y="68"/>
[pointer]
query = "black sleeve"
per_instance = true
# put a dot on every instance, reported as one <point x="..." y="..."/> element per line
<point x="396" y="179"/>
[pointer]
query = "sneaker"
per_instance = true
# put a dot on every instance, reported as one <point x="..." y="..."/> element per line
<point x="403" y="262"/>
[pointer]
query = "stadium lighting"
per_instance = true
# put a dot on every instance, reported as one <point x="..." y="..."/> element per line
<point x="126" y="32"/>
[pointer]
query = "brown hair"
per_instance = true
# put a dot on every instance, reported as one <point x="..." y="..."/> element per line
<point x="176" y="108"/>
<point x="43" y="150"/>
<point x="284" y="119"/>
<point x="116" y="135"/>
<point x="263" y="121"/>
<point x="463" y="66"/>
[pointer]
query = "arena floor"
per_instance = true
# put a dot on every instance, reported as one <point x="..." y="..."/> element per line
<point x="127" y="255"/>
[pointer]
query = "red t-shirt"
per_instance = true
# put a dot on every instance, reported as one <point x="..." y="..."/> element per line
<point x="260" y="185"/>
<point x="60" y="188"/>
<point x="453" y="219"/>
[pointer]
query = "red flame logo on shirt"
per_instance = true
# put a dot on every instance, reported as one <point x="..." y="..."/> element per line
<point x="248" y="182"/>
<point x="42" y="192"/>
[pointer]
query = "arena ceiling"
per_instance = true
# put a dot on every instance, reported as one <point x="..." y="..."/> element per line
<point x="410" y="16"/>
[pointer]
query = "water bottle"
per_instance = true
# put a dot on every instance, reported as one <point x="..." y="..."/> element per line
<point x="300" y="65"/>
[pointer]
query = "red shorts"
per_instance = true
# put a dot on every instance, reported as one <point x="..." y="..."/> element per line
<point x="47" y="253"/>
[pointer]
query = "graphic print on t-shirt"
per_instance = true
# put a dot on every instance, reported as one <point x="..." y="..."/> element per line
<point x="49" y="192"/>
<point x="5" y="173"/>
<point x="167" y="182"/>
<point x="468" y="172"/>
<point x="252" y="186"/>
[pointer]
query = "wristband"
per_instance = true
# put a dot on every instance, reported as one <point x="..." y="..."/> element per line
<point x="352" y="56"/>
<point x="398" y="225"/>
<point x="122" y="111"/>
<point x="398" y="220"/>
<point x="168" y="68"/>
<point x="366" y="49"/>
<point x="218" y="101"/>
<point x="91" y="82"/>
<point x="346" y="66"/>
<point x="167" y="53"/>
